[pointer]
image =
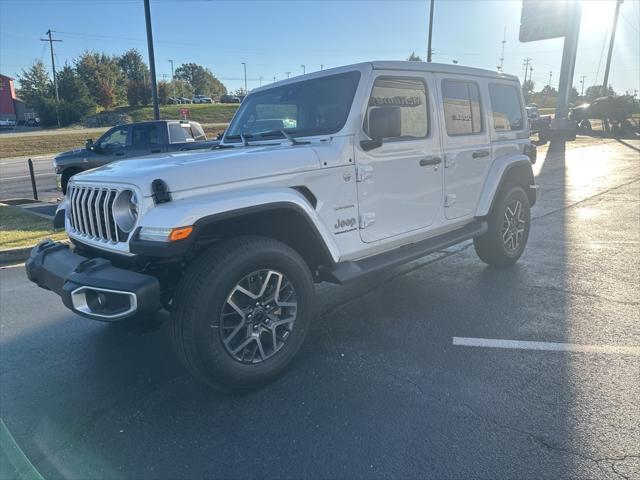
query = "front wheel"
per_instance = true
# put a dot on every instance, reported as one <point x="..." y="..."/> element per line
<point x="509" y="223"/>
<point x="241" y="313"/>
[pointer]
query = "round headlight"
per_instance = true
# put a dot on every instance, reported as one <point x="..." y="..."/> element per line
<point x="125" y="210"/>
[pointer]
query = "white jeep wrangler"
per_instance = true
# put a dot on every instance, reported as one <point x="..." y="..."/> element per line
<point x="327" y="177"/>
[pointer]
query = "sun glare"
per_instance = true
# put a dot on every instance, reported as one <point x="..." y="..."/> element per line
<point x="597" y="15"/>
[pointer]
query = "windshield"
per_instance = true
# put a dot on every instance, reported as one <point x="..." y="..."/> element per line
<point x="310" y="107"/>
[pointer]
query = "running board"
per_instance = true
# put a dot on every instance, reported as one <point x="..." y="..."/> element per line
<point x="346" y="272"/>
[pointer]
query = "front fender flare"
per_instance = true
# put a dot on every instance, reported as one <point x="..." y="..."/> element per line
<point x="497" y="173"/>
<point x="205" y="209"/>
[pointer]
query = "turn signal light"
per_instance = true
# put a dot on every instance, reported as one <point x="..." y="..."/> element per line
<point x="180" y="233"/>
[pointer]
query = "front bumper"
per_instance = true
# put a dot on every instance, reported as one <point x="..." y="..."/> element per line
<point x="93" y="287"/>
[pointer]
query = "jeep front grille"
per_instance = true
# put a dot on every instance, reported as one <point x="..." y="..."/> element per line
<point x="91" y="213"/>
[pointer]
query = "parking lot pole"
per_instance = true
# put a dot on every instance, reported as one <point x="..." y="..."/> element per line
<point x="152" y="61"/>
<point x="33" y="180"/>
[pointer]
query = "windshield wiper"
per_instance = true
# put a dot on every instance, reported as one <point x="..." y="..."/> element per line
<point x="292" y="140"/>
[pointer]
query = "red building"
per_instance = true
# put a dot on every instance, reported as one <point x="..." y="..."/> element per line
<point x="11" y="107"/>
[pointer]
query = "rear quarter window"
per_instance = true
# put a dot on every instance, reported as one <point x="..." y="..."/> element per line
<point x="506" y="108"/>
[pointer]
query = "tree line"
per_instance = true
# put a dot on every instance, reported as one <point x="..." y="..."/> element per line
<point x="98" y="81"/>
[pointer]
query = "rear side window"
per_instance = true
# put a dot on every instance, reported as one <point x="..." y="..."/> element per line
<point x="462" y="108"/>
<point x="145" y="135"/>
<point x="179" y="133"/>
<point x="409" y="96"/>
<point x="506" y="108"/>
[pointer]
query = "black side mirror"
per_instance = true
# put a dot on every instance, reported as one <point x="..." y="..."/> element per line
<point x="384" y="122"/>
<point x="89" y="144"/>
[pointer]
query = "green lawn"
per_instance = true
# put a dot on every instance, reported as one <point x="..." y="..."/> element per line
<point x="21" y="229"/>
<point x="203" y="113"/>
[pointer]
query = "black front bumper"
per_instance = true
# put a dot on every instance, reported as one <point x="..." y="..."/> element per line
<point x="93" y="287"/>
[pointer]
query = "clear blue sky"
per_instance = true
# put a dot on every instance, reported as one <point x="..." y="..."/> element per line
<point x="274" y="37"/>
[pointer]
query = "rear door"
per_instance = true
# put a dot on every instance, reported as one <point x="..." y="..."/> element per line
<point x="466" y="144"/>
<point x="400" y="182"/>
<point x="146" y="138"/>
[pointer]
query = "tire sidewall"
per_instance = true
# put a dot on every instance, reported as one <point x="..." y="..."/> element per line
<point x="220" y="282"/>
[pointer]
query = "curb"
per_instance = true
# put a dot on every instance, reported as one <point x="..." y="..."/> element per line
<point x="13" y="256"/>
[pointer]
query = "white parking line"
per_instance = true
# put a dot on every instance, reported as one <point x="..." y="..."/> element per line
<point x="549" y="346"/>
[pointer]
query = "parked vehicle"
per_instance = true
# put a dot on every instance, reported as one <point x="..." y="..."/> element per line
<point x="537" y="123"/>
<point x="332" y="177"/>
<point x="7" y="123"/>
<point x="184" y="100"/>
<point x="32" y="122"/>
<point x="532" y="112"/>
<point x="229" y="99"/>
<point x="129" y="141"/>
<point x="201" y="99"/>
<point x="615" y="111"/>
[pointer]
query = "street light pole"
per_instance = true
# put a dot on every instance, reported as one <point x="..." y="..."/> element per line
<point x="245" y="77"/>
<point x="605" y="83"/>
<point x="430" y="31"/>
<point x="288" y="74"/>
<point x="304" y="69"/>
<point x="152" y="61"/>
<point x="173" y="83"/>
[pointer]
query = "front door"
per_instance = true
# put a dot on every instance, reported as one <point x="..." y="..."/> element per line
<point x="400" y="181"/>
<point x="113" y="145"/>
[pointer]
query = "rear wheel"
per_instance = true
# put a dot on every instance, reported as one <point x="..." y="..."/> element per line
<point x="241" y="313"/>
<point x="509" y="223"/>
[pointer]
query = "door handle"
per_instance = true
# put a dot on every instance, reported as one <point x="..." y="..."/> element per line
<point x="480" y="153"/>
<point x="425" y="162"/>
<point x="119" y="154"/>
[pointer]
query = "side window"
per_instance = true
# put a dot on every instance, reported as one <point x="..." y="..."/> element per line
<point x="176" y="133"/>
<point x="115" y="139"/>
<point x="145" y="135"/>
<point x="187" y="132"/>
<point x="506" y="108"/>
<point x="409" y="96"/>
<point x="198" y="132"/>
<point x="462" y="109"/>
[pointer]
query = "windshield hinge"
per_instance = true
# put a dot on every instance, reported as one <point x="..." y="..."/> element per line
<point x="367" y="219"/>
<point x="363" y="172"/>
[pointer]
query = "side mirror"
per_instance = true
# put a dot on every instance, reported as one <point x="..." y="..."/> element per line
<point x="384" y="122"/>
<point x="89" y="144"/>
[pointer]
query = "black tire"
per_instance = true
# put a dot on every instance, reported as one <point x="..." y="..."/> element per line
<point x="491" y="247"/>
<point x="198" y="304"/>
<point x="66" y="176"/>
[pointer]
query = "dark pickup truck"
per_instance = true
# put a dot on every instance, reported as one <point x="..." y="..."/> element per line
<point x="128" y="141"/>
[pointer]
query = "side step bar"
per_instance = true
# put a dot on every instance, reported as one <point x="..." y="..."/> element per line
<point x="349" y="271"/>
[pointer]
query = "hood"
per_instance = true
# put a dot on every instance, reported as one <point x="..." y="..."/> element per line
<point x="75" y="153"/>
<point x="192" y="170"/>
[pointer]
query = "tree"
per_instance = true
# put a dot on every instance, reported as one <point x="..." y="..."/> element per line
<point x="548" y="90"/>
<point x="596" y="91"/>
<point x="138" y="92"/>
<point x="103" y="77"/>
<point x="35" y="83"/>
<point x="133" y="65"/>
<point x="414" y="58"/>
<point x="573" y="96"/>
<point x="201" y="80"/>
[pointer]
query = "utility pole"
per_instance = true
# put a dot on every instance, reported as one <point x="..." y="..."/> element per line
<point x="605" y="83"/>
<point x="288" y="74"/>
<point x="274" y="79"/>
<point x="550" y="75"/>
<point x="429" y="50"/>
<point x="304" y="69"/>
<point x="173" y="83"/>
<point x="260" y="80"/>
<point x="504" y="41"/>
<point x="245" y="77"/>
<point x="526" y="63"/>
<point x="53" y="67"/>
<point x="321" y="67"/>
<point x="582" y="85"/>
<point x="152" y="61"/>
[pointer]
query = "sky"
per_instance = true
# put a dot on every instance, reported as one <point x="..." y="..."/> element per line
<point x="276" y="37"/>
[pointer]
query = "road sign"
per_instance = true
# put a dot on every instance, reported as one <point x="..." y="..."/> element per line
<point x="184" y="112"/>
<point x="542" y="19"/>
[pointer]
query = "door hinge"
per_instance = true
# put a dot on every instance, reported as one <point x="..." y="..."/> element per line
<point x="449" y="162"/>
<point x="449" y="200"/>
<point x="363" y="172"/>
<point x="367" y="219"/>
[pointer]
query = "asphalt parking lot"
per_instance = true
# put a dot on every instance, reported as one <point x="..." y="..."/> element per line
<point x="386" y="385"/>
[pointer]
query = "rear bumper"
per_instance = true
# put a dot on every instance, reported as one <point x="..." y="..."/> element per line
<point x="93" y="287"/>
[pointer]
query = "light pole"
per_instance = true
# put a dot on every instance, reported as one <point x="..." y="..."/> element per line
<point x="260" y="80"/>
<point x="274" y="79"/>
<point x="245" y="77"/>
<point x="288" y="74"/>
<point x="152" y="61"/>
<point x="429" y="51"/>
<point x="173" y="83"/>
<point x="321" y="67"/>
<point x="304" y="69"/>
<point x="582" y="85"/>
